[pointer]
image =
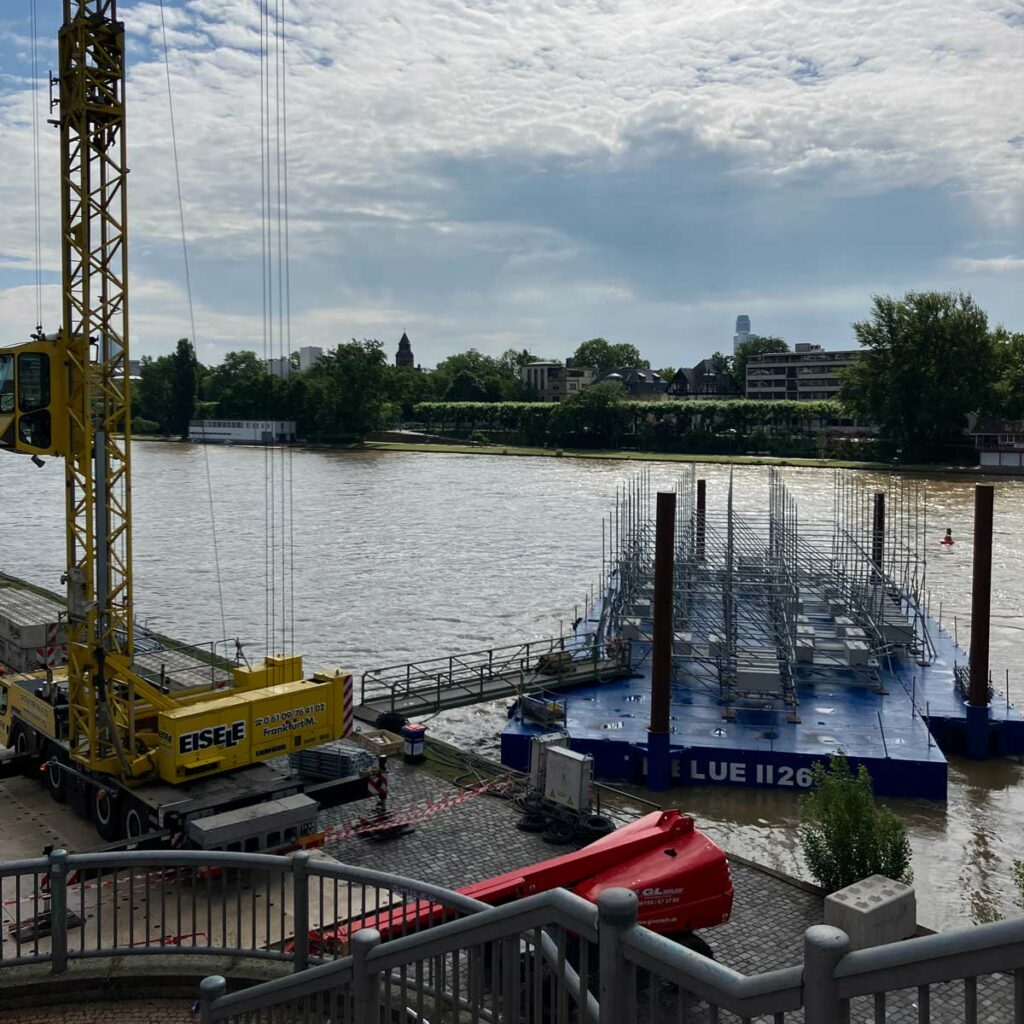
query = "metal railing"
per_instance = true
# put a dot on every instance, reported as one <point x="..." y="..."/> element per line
<point x="555" y="959"/>
<point x="453" y="681"/>
<point x="366" y="947"/>
<point x="75" y="906"/>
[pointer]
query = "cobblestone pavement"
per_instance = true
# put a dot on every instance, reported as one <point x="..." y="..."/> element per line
<point x="462" y="844"/>
<point x="127" y="1011"/>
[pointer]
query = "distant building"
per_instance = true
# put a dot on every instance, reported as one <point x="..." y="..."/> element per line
<point x="279" y="367"/>
<point x="641" y="384"/>
<point x="552" y="381"/>
<point x="807" y="374"/>
<point x="742" y="334"/>
<point x="309" y="355"/>
<point x="241" y="431"/>
<point x="705" y="380"/>
<point x="404" y="356"/>
<point x="999" y="443"/>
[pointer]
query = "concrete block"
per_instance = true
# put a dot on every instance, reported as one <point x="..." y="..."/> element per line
<point x="873" y="912"/>
<point x="836" y="606"/>
<point x="717" y="645"/>
<point x="631" y="630"/>
<point x="897" y="631"/>
<point x="758" y="678"/>
<point x="683" y="645"/>
<point x="857" y="652"/>
<point x="803" y="644"/>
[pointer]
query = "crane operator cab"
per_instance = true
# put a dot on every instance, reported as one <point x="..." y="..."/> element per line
<point x="33" y="397"/>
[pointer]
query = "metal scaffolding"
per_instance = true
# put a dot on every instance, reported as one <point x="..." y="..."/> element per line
<point x="766" y="601"/>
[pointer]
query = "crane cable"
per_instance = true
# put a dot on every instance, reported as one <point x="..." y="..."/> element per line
<point x="34" y="32"/>
<point x="191" y="309"/>
<point x="276" y="293"/>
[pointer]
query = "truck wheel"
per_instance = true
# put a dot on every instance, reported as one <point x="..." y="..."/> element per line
<point x="105" y="815"/>
<point x="133" y="823"/>
<point x="56" y="775"/>
<point x="23" y="744"/>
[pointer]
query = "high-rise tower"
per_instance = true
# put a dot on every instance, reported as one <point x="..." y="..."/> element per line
<point x="742" y="332"/>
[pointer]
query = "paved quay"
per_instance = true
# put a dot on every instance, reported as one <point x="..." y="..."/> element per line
<point x="477" y="838"/>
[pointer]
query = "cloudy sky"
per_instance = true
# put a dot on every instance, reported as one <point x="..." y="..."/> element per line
<point x="533" y="173"/>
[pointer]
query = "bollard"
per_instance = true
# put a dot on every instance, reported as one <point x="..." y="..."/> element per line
<point x="616" y="914"/>
<point x="210" y="990"/>
<point x="300" y="908"/>
<point x="365" y="981"/>
<point x="58" y="872"/>
<point x="824" y="948"/>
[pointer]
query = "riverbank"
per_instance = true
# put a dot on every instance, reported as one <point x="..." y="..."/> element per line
<point x="635" y="456"/>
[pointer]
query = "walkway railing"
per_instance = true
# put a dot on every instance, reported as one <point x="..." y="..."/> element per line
<point x="437" y="683"/>
<point x="368" y="947"/>
<point x="64" y="907"/>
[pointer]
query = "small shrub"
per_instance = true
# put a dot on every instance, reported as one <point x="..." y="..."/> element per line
<point x="845" y="836"/>
<point x="1017" y="873"/>
<point x="144" y="426"/>
<point x="479" y="437"/>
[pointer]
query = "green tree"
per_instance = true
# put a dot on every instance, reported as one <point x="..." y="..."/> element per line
<point x="466" y="386"/>
<point x="755" y="346"/>
<point x="499" y="378"/>
<point x="240" y="386"/>
<point x="406" y="388"/>
<point x="1007" y="397"/>
<point x="152" y="397"/>
<point x="845" y="836"/>
<point x="928" y="362"/>
<point x="349" y="388"/>
<point x="184" y="378"/>
<point x="595" y="417"/>
<point x="606" y="356"/>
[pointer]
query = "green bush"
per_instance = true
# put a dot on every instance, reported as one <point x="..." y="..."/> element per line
<point x="845" y="836"/>
<point x="144" y="426"/>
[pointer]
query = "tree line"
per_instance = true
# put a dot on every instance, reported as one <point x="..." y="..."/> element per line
<point x="927" y="361"/>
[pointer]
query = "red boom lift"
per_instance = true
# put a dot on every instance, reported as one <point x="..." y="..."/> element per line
<point x="680" y="876"/>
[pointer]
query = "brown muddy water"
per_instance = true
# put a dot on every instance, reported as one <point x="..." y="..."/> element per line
<point x="399" y="556"/>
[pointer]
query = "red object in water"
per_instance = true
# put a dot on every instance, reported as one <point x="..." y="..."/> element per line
<point x="680" y="876"/>
<point x="947" y="540"/>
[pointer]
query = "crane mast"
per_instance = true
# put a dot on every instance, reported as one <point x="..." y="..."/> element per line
<point x="68" y="395"/>
<point x="95" y="339"/>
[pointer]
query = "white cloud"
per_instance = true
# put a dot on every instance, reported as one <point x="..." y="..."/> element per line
<point x="992" y="265"/>
<point x="852" y="99"/>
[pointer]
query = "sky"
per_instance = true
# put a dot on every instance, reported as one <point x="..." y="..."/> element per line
<point x="533" y="173"/>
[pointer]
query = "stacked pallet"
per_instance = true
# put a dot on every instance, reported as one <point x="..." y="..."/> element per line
<point x="335" y="760"/>
<point x="32" y="635"/>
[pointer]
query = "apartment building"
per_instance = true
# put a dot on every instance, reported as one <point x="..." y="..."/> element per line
<point x="553" y="381"/>
<point x="807" y="374"/>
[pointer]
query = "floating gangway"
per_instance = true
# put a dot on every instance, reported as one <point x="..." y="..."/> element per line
<point x="422" y="688"/>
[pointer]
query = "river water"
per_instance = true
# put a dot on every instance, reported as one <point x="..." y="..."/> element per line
<point x="398" y="556"/>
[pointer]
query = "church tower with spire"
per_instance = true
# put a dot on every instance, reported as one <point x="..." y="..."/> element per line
<point x="404" y="356"/>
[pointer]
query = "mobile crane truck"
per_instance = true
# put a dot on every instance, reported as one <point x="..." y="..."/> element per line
<point x="133" y="756"/>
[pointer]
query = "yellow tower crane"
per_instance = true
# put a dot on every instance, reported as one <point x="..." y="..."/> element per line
<point x="68" y="395"/>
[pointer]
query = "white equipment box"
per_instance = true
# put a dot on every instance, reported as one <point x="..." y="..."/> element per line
<point x="567" y="780"/>
<point x="539" y="747"/>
